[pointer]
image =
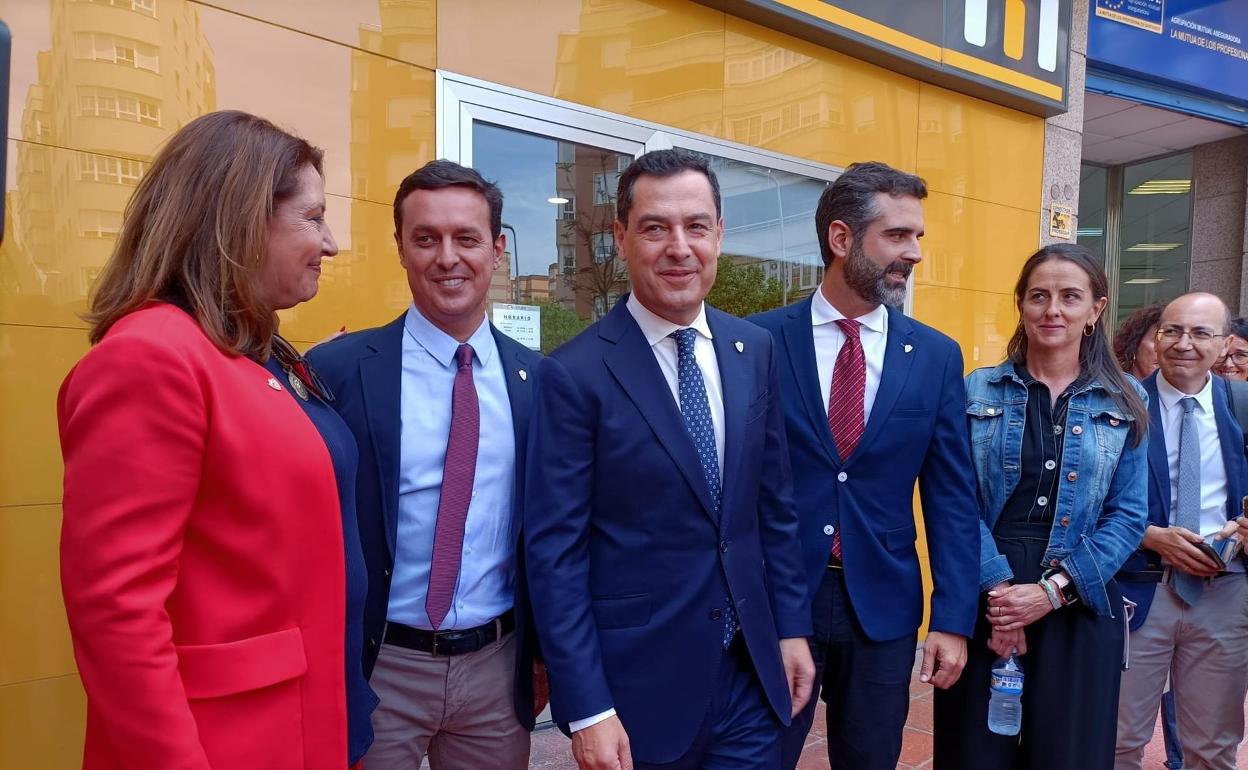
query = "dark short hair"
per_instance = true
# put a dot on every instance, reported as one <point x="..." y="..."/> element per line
<point x="1239" y="327"/>
<point x="662" y="163"/>
<point x="440" y="174"/>
<point x="851" y="199"/>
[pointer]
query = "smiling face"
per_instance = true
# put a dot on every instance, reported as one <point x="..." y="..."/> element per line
<point x="880" y="262"/>
<point x="449" y="254"/>
<point x="1186" y="360"/>
<point x="298" y="238"/>
<point x="1057" y="306"/>
<point x="671" y="243"/>
<point x="1233" y="364"/>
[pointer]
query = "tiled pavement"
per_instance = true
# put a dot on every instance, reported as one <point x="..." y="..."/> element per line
<point x="551" y="750"/>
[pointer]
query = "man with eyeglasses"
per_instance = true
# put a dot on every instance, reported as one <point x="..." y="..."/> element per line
<point x="1191" y="617"/>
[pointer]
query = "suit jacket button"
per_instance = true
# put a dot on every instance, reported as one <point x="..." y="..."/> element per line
<point x="716" y="614"/>
<point x="842" y="476"/>
<point x="828" y="529"/>
<point x="723" y="548"/>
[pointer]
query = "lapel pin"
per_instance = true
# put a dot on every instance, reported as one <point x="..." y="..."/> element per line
<point x="274" y="384"/>
<point x="740" y="346"/>
<point x="523" y="375"/>
<point x="908" y="348"/>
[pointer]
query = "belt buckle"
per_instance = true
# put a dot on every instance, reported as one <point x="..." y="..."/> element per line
<point x="434" y="651"/>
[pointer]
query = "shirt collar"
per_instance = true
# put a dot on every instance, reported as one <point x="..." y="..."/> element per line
<point x="822" y="312"/>
<point x="656" y="329"/>
<point x="441" y="345"/>
<point x="1170" y="395"/>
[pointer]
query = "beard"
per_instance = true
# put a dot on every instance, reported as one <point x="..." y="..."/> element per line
<point x="869" y="280"/>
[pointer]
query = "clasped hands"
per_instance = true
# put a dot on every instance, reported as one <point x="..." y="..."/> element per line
<point x="1010" y="609"/>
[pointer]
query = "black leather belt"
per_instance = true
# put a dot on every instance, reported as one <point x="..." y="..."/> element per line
<point x="453" y="642"/>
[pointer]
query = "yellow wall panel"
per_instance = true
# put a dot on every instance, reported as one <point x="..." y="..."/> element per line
<point x="33" y="361"/>
<point x="361" y="287"/>
<point x="400" y="29"/>
<point x="798" y="98"/>
<point x="34" y="637"/>
<point x="657" y="60"/>
<point x="981" y="322"/>
<point x="974" y="245"/>
<point x="42" y="724"/>
<point x="980" y="150"/>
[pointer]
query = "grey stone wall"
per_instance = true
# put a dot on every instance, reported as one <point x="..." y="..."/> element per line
<point x="1219" y="239"/>
<point x="1063" y="134"/>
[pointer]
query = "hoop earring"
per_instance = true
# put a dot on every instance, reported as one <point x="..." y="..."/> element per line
<point x="1089" y="330"/>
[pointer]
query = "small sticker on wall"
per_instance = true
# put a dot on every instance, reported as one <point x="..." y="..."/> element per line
<point x="1060" y="219"/>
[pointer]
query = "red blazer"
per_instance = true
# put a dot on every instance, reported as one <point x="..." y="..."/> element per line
<point x="201" y="558"/>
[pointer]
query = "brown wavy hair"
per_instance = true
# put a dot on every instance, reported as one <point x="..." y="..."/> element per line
<point x="1095" y="356"/>
<point x="194" y="233"/>
<point x="1131" y="332"/>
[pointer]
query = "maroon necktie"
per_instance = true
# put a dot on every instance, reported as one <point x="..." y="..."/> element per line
<point x="458" y="472"/>
<point x="845" y="402"/>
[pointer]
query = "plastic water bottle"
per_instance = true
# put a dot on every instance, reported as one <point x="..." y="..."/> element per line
<point x="1005" y="708"/>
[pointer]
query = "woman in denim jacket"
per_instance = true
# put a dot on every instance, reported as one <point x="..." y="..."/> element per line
<point x="1057" y="434"/>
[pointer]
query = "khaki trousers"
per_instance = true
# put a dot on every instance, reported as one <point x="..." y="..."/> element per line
<point x="1204" y="649"/>
<point x="457" y="709"/>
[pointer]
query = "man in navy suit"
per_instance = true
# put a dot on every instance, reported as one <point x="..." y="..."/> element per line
<point x="873" y="402"/>
<point x="660" y="541"/>
<point x="1191" y="615"/>
<point x="438" y="401"/>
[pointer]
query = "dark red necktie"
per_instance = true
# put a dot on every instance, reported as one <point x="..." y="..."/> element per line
<point x="845" y="402"/>
<point x="458" y="472"/>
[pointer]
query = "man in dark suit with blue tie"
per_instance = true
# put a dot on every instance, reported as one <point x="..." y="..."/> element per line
<point x="660" y="538"/>
<point x="1190" y="623"/>
<point x="438" y="401"/>
<point x="874" y="402"/>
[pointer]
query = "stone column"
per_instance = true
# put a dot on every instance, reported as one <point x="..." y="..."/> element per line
<point x="1219" y="241"/>
<point x="1063" y="134"/>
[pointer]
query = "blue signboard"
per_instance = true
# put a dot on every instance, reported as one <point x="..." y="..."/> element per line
<point x="1198" y="45"/>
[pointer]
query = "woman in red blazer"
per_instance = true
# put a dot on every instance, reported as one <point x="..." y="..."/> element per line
<point x="202" y="549"/>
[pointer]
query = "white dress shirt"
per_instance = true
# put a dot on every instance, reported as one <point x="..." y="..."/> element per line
<point x="828" y="341"/>
<point x="656" y="331"/>
<point x="487" y="572"/>
<point x="1213" y="484"/>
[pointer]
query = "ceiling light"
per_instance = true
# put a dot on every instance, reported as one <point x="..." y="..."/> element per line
<point x="1090" y="232"/>
<point x="1146" y="281"/>
<point x="1153" y="247"/>
<point x="557" y="200"/>
<point x="1163" y="187"/>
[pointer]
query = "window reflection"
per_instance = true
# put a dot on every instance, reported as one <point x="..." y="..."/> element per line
<point x="562" y="256"/>
<point x="1155" y="232"/>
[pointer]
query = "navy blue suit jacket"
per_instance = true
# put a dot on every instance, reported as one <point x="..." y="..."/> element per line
<point x="364" y="371"/>
<point x="629" y="564"/>
<point x="917" y="431"/>
<point x="1232" y="439"/>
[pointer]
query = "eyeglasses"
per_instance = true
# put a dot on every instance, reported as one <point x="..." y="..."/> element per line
<point x="1239" y="358"/>
<point x="1175" y="333"/>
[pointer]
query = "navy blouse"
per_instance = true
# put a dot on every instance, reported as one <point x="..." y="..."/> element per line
<point x="342" y="450"/>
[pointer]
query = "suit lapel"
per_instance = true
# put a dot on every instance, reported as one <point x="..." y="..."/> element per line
<point x="519" y="391"/>
<point x="799" y="338"/>
<point x="1158" y="463"/>
<point x="632" y="363"/>
<point x="1230" y="440"/>
<point x="734" y="375"/>
<point x="898" y="356"/>
<point x="381" y="380"/>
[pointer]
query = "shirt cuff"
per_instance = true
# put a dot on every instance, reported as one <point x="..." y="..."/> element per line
<point x="576" y="725"/>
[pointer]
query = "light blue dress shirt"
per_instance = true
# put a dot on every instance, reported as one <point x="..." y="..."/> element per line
<point x="486" y="586"/>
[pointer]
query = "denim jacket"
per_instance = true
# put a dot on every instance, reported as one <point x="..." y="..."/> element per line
<point x="1102" y="498"/>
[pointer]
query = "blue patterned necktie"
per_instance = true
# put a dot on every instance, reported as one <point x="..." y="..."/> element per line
<point x="1187" y="497"/>
<point x="696" y="409"/>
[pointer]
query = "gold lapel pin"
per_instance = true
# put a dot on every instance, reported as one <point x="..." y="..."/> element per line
<point x="908" y="348"/>
<point x="273" y="383"/>
<point x="740" y="346"/>
<point x="523" y="375"/>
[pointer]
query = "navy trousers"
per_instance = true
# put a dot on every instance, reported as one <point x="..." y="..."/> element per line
<point x="865" y="684"/>
<point x="740" y="732"/>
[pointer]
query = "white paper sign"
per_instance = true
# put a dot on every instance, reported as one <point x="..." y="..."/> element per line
<point x="523" y="323"/>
